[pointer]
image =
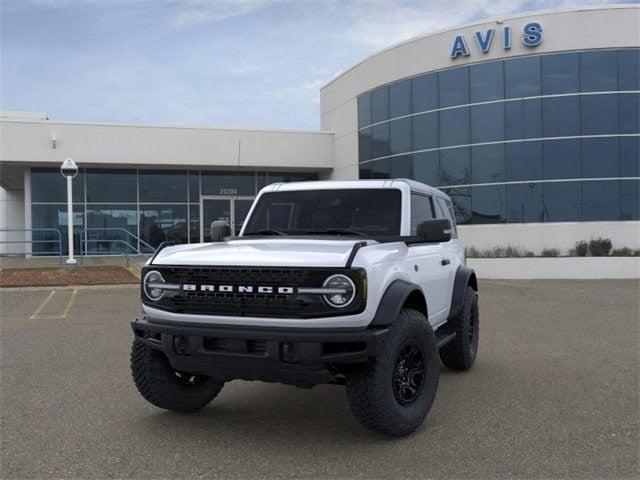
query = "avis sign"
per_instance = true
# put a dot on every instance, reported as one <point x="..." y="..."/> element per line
<point x="531" y="36"/>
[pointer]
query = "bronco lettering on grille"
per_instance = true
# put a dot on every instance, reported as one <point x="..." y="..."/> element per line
<point x="190" y="287"/>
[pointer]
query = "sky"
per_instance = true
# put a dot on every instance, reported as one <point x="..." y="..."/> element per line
<point x="219" y="63"/>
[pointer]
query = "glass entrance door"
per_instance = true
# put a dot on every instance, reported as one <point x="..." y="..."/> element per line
<point x="231" y="210"/>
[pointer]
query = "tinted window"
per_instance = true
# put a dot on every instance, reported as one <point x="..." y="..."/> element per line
<point x="561" y="159"/>
<point x="426" y="168"/>
<point x="116" y="186"/>
<point x="629" y="69"/>
<point x="487" y="123"/>
<point x="364" y="144"/>
<point x="630" y="157"/>
<point x="380" y="169"/>
<point x="599" y="114"/>
<point x="629" y="112"/>
<point x="161" y="223"/>
<point x="524" y="203"/>
<point x="380" y="104"/>
<point x="487" y="204"/>
<point x="599" y="71"/>
<point x="194" y="223"/>
<point x="424" y="93"/>
<point x="600" y="157"/>
<point x="401" y="167"/>
<point x="376" y="212"/>
<point x="522" y="77"/>
<point x="487" y="81"/>
<point x="115" y="218"/>
<point x="425" y="131"/>
<point x="380" y="140"/>
<point x="560" y="73"/>
<point x="223" y="183"/>
<point x="453" y="87"/>
<point x="364" y="110"/>
<point x="454" y="166"/>
<point x="561" y="116"/>
<point x="48" y="185"/>
<point x="562" y="201"/>
<point x="194" y="186"/>
<point x="400" y="99"/>
<point x="629" y="200"/>
<point x="523" y="119"/>
<point x="163" y="186"/>
<point x="447" y="210"/>
<point x="53" y="216"/>
<point x="487" y="164"/>
<point x="523" y="161"/>
<point x="421" y="211"/>
<point x="454" y="127"/>
<point x="400" y="135"/>
<point x="600" y="201"/>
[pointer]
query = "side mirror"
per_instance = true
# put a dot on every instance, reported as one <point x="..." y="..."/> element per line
<point x="435" y="231"/>
<point x="220" y="230"/>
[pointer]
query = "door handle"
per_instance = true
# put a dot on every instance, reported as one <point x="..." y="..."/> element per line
<point x="445" y="261"/>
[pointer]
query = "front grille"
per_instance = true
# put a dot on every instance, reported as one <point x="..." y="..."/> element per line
<point x="294" y="305"/>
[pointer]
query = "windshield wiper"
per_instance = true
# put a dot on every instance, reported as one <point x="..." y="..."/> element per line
<point x="337" y="231"/>
<point x="266" y="232"/>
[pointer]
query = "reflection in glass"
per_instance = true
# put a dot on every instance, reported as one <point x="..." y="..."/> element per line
<point x="600" y="201"/>
<point x="161" y="223"/>
<point x="380" y="168"/>
<point x="487" y="204"/>
<point x="53" y="216"/>
<point x="629" y="112"/>
<point x="400" y="99"/>
<point x="562" y="201"/>
<point x="48" y="185"/>
<point x="487" y="164"/>
<point x="522" y="77"/>
<point x="453" y="87"/>
<point x="426" y="168"/>
<point x="424" y="93"/>
<point x="487" y="81"/>
<point x="629" y="199"/>
<point x="487" y="123"/>
<point x="112" y="186"/>
<point x="523" y="119"/>
<point x="380" y="140"/>
<point x="630" y="156"/>
<point x="561" y="116"/>
<point x="561" y="159"/>
<point x="560" y="73"/>
<point x="364" y="145"/>
<point x="194" y="223"/>
<point x="163" y="186"/>
<point x="629" y="69"/>
<point x="425" y="131"/>
<point x="599" y="114"/>
<point x="454" y="166"/>
<point x="454" y="127"/>
<point x="600" y="157"/>
<point x="400" y="135"/>
<point x="364" y="110"/>
<point x="380" y="105"/>
<point x="113" y="219"/>
<point x="599" y="71"/>
<point x="401" y="167"/>
<point x="524" y="203"/>
<point x="523" y="161"/>
<point x="194" y="186"/>
<point x="461" y="199"/>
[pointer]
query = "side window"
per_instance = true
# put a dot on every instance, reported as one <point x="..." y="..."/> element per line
<point x="421" y="210"/>
<point x="447" y="209"/>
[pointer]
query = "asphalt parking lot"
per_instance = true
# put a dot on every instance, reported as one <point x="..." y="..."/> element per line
<point x="554" y="394"/>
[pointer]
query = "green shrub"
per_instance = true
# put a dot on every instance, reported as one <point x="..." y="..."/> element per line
<point x="600" y="247"/>
<point x="550" y="252"/>
<point x="582" y="247"/>
<point x="624" y="252"/>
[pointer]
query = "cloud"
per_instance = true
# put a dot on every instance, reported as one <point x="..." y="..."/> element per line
<point x="196" y="12"/>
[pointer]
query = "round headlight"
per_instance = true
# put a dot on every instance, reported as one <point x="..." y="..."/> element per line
<point x="152" y="285"/>
<point x="343" y="290"/>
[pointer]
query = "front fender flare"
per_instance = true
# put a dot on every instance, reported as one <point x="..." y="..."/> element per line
<point x="464" y="277"/>
<point x="393" y="300"/>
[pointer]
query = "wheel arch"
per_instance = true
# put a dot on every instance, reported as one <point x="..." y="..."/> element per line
<point x="465" y="277"/>
<point x="398" y="295"/>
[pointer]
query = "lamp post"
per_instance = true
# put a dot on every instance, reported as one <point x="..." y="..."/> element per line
<point x="69" y="170"/>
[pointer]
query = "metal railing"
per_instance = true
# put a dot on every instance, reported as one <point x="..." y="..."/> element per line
<point x="31" y="241"/>
<point x="132" y="244"/>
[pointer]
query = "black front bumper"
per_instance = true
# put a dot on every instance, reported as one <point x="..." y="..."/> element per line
<point x="294" y="356"/>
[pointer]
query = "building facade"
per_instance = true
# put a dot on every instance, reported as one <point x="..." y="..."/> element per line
<point x="529" y="123"/>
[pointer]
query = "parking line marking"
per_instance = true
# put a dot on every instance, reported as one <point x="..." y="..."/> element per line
<point x="42" y="305"/>
<point x="68" y="307"/>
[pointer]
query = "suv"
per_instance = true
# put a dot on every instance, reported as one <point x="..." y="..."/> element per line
<point x="357" y="283"/>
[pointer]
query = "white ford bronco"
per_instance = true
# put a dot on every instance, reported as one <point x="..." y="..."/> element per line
<point x="357" y="283"/>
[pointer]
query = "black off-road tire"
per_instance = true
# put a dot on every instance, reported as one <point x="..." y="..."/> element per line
<point x="164" y="387"/>
<point x="460" y="353"/>
<point x="372" y="388"/>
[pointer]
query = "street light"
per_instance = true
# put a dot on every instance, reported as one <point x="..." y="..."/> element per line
<point x="69" y="170"/>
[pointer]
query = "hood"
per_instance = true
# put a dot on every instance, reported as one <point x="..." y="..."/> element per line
<point x="270" y="252"/>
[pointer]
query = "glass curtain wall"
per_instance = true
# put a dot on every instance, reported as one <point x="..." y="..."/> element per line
<point x="118" y="205"/>
<point x="541" y="138"/>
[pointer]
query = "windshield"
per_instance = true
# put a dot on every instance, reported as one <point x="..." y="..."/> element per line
<point x="363" y="212"/>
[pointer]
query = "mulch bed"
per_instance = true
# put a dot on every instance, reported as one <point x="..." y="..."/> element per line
<point x="59" y="276"/>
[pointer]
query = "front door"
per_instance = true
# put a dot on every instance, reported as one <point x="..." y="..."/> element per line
<point x="232" y="210"/>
